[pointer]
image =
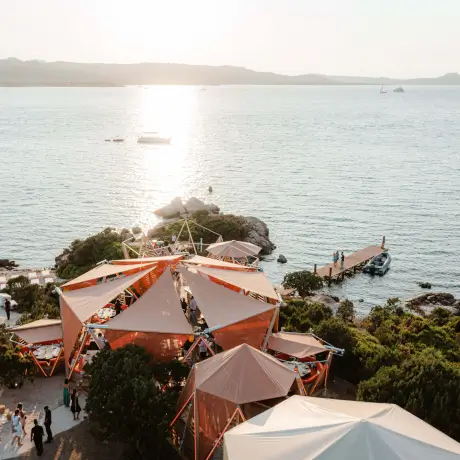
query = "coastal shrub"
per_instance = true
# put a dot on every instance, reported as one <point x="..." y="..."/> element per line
<point x="425" y="384"/>
<point x="301" y="316"/>
<point x="304" y="282"/>
<point x="82" y="255"/>
<point x="346" y="310"/>
<point x="133" y="399"/>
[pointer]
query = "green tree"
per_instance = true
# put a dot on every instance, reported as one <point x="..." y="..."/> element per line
<point x="303" y="281"/>
<point x="132" y="399"/>
<point x="301" y="316"/>
<point x="425" y="384"/>
<point x="346" y="310"/>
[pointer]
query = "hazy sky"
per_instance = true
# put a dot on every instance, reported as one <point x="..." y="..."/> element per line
<point x="402" y="38"/>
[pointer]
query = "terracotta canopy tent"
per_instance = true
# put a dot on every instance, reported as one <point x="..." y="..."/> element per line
<point x="234" y="249"/>
<point x="42" y="340"/>
<point x="319" y="428"/>
<point x="295" y="344"/>
<point x="78" y="306"/>
<point x="216" y="263"/>
<point x="155" y="321"/>
<point x="235" y="318"/>
<point x="219" y="392"/>
<point x="254" y="282"/>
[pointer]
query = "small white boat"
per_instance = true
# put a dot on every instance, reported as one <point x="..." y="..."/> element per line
<point x="399" y="89"/>
<point x="382" y="90"/>
<point x="378" y="265"/>
<point x="153" y="138"/>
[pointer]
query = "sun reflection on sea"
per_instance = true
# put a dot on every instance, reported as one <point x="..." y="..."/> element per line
<point x="168" y="111"/>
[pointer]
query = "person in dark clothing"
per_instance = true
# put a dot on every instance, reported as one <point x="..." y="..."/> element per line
<point x="36" y="435"/>
<point x="342" y="260"/>
<point x="183" y="304"/>
<point x="47" y="424"/>
<point x="7" y="309"/>
<point x="117" y="307"/>
<point x="75" y="406"/>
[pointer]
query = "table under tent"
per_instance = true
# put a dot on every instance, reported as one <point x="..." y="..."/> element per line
<point x="225" y="390"/>
<point x="42" y="341"/>
<point x="305" y="428"/>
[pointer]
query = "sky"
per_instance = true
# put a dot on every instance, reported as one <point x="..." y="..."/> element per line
<point x="395" y="38"/>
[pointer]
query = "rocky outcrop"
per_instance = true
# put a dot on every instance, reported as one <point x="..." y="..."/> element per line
<point x="425" y="285"/>
<point x="8" y="264"/>
<point x="443" y="299"/>
<point x="177" y="208"/>
<point x="282" y="259"/>
<point x="258" y="234"/>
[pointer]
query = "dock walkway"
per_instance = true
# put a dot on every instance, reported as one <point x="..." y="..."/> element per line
<point x="353" y="261"/>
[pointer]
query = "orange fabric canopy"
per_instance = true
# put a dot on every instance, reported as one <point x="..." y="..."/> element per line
<point x="295" y="344"/>
<point x="217" y="263"/>
<point x="43" y="330"/>
<point x="148" y="260"/>
<point x="101" y="271"/>
<point x="221" y="306"/>
<point x="248" y="281"/>
<point x="157" y="310"/>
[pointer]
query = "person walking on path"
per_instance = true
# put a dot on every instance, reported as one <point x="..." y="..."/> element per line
<point x="7" y="309"/>
<point x="66" y="393"/>
<point x="17" y="428"/>
<point x="47" y="424"/>
<point x="193" y="306"/>
<point x="75" y="406"/>
<point x="342" y="261"/>
<point x="36" y="435"/>
<point x="22" y="418"/>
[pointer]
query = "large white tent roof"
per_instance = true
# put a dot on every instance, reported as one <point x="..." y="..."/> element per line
<point x="217" y="263"/>
<point x="305" y="428"/>
<point x="234" y="249"/>
<point x="157" y="310"/>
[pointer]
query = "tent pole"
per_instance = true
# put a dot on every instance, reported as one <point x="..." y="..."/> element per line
<point x="182" y="410"/>
<point x="57" y="359"/>
<point x="191" y="349"/>
<point x="190" y="236"/>
<point x="270" y="328"/>
<point x="66" y="364"/>
<point x="38" y="364"/>
<point x="85" y="335"/>
<point x="197" y="425"/>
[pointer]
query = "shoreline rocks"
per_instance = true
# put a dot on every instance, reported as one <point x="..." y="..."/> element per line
<point x="426" y="303"/>
<point x="258" y="234"/>
<point x="177" y="207"/>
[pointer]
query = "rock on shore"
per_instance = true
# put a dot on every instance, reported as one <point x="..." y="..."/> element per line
<point x="177" y="207"/>
<point x="425" y="303"/>
<point x="259" y="235"/>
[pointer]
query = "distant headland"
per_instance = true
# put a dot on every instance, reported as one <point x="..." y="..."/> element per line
<point x="14" y="72"/>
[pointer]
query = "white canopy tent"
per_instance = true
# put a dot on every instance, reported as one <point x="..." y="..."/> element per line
<point x="234" y="249"/>
<point x="304" y="428"/>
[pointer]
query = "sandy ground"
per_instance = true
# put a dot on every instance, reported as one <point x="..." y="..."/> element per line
<point x="35" y="396"/>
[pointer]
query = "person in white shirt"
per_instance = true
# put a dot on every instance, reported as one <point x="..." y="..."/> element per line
<point x="193" y="306"/>
<point x="173" y="238"/>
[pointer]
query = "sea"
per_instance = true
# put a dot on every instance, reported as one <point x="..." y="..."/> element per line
<point x="326" y="167"/>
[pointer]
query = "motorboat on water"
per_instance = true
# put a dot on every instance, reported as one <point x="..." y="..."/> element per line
<point x="153" y="138"/>
<point x="379" y="264"/>
<point x="399" y="89"/>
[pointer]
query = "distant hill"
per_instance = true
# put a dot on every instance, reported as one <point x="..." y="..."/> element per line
<point x="14" y="72"/>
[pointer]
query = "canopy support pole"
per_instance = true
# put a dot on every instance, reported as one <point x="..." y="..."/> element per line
<point x="182" y="410"/>
<point x="56" y="361"/>
<point x="38" y="364"/>
<point x="270" y="328"/>
<point x="77" y="357"/>
<point x="196" y="424"/>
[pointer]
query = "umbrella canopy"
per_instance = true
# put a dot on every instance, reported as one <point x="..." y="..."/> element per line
<point x="234" y="249"/>
<point x="43" y="330"/>
<point x="295" y="344"/>
<point x="305" y="428"/>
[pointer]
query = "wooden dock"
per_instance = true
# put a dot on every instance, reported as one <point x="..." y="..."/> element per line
<point x="352" y="262"/>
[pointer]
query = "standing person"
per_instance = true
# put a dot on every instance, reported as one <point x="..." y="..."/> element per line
<point x="183" y="304"/>
<point x="342" y="260"/>
<point x="17" y="428"/>
<point x="47" y="424"/>
<point x="7" y="309"/>
<point x="193" y="306"/>
<point x="36" y="435"/>
<point x="75" y="406"/>
<point x="203" y="349"/>
<point x="173" y="238"/>
<point x="66" y="393"/>
<point x="22" y="418"/>
<point x="117" y="306"/>
<point x="103" y="341"/>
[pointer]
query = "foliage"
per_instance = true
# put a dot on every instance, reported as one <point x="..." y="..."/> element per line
<point x="132" y="399"/>
<point x="303" y="281"/>
<point x="300" y="316"/>
<point x="231" y="227"/>
<point x="82" y="255"/>
<point x="13" y="366"/>
<point x="346" y="310"/>
<point x="34" y="301"/>
<point x="425" y="384"/>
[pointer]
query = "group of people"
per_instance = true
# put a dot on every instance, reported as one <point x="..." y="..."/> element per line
<point x="18" y="425"/>
<point x="71" y="400"/>
<point x="190" y="310"/>
<point x="336" y="256"/>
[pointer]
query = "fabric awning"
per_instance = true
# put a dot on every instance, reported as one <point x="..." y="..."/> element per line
<point x="221" y="306"/>
<point x="217" y="263"/>
<point x="234" y="249"/>
<point x="43" y="330"/>
<point x="249" y="281"/>
<point x="87" y="301"/>
<point x="311" y="428"/>
<point x="295" y="344"/>
<point x="148" y="260"/>
<point x="157" y="310"/>
<point x="102" y="271"/>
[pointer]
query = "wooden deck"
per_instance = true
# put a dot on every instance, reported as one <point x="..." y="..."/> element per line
<point x="351" y="262"/>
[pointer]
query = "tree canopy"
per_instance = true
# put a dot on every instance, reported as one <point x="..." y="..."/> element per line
<point x="303" y="281"/>
<point x="133" y="399"/>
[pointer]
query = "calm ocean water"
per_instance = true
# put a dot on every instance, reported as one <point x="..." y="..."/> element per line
<point x="327" y="168"/>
